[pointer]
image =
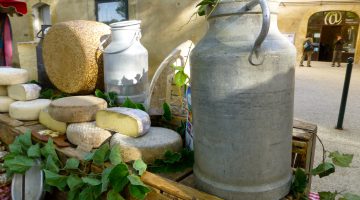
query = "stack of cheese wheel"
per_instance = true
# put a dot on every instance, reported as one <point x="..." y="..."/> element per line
<point x="72" y="59"/>
<point x="135" y="136"/>
<point x="19" y="98"/>
<point x="78" y="112"/>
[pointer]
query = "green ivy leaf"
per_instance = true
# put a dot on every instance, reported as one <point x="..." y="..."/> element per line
<point x="100" y="154"/>
<point x="18" y="164"/>
<point x="140" y="166"/>
<point x="100" y="94"/>
<point x="47" y="94"/>
<point x="341" y="160"/>
<point x="25" y="139"/>
<point x="115" y="155"/>
<point x="171" y="157"/>
<point x="324" y="169"/>
<point x="118" y="177"/>
<point x="15" y="147"/>
<point x="73" y="194"/>
<point x="49" y="150"/>
<point x="56" y="180"/>
<point x="327" y="195"/>
<point x="113" y="195"/>
<point x="51" y="165"/>
<point x="128" y="103"/>
<point x="91" y="181"/>
<point x="105" y="178"/>
<point x="300" y="181"/>
<point x="349" y="196"/>
<point x="34" y="151"/>
<point x="180" y="78"/>
<point x="135" y="180"/>
<point x="74" y="182"/>
<point x="167" y="112"/>
<point x="140" y="107"/>
<point x="89" y="156"/>
<point x="139" y="192"/>
<point x="87" y="194"/>
<point x="72" y="163"/>
<point x="112" y="98"/>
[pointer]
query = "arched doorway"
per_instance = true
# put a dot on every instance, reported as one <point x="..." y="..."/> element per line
<point x="326" y="25"/>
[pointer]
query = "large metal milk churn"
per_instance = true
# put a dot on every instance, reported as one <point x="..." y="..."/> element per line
<point x="126" y="62"/>
<point x="242" y="82"/>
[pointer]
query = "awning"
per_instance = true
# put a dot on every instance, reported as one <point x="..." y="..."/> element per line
<point x="13" y="6"/>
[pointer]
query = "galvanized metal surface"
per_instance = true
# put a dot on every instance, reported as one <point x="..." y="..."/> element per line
<point x="242" y="113"/>
<point x="126" y="62"/>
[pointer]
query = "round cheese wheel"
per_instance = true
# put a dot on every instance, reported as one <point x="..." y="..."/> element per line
<point x="13" y="76"/>
<point x="5" y="103"/>
<point x="72" y="59"/>
<point x="24" y="92"/>
<point x="28" y="110"/>
<point x="76" y="109"/>
<point x="86" y="133"/>
<point x="3" y="90"/>
<point x="148" y="147"/>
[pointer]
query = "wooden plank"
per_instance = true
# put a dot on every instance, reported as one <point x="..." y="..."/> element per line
<point x="6" y="119"/>
<point x="7" y="133"/>
<point x="176" y="176"/>
<point x="175" y="189"/>
<point x="189" y="181"/>
<point x="312" y="128"/>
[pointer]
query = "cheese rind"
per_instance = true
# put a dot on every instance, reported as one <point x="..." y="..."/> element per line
<point x="28" y="110"/>
<point x="127" y="121"/>
<point x="76" y="109"/>
<point x="46" y="120"/>
<point x="13" y="76"/>
<point x="149" y="147"/>
<point x="86" y="133"/>
<point x="3" y="90"/>
<point x="5" y="103"/>
<point x="24" y="92"/>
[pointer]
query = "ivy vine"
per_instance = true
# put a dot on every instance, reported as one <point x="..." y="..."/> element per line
<point x="75" y="177"/>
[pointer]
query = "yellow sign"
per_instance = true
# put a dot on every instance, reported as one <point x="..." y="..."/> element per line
<point x="333" y="18"/>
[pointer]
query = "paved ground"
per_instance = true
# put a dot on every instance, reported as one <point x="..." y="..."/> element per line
<point x="317" y="99"/>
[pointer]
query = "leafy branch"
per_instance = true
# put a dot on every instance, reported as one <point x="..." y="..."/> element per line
<point x="74" y="177"/>
<point x="173" y="162"/>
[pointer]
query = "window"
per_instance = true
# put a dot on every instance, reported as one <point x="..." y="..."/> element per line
<point x="41" y="16"/>
<point x="110" y="11"/>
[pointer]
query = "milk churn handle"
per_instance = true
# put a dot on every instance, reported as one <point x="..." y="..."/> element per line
<point x="137" y="36"/>
<point x="264" y="29"/>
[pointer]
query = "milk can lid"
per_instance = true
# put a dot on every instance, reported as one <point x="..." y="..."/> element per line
<point x="126" y="24"/>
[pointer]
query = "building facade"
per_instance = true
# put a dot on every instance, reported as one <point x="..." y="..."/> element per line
<point x="167" y="23"/>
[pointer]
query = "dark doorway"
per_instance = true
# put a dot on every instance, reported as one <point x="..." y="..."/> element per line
<point x="328" y="36"/>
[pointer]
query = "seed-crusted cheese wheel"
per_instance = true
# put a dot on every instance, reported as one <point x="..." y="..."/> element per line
<point x="28" y="110"/>
<point x="24" y="92"/>
<point x="5" y="103"/>
<point x="3" y="90"/>
<point x="76" y="109"/>
<point x="86" y="133"/>
<point x="127" y="121"/>
<point x="46" y="120"/>
<point x="149" y="147"/>
<point x="12" y="76"/>
<point x="71" y="56"/>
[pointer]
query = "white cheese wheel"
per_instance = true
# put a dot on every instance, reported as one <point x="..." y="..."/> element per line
<point x="127" y="121"/>
<point x="28" y="110"/>
<point x="5" y="103"/>
<point x="24" y="92"/>
<point x="86" y="133"/>
<point x="76" y="109"/>
<point x="13" y="76"/>
<point x="149" y="147"/>
<point x="46" y="120"/>
<point x="3" y="90"/>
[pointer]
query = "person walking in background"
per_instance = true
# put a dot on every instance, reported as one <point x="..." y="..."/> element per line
<point x="307" y="51"/>
<point x="338" y="48"/>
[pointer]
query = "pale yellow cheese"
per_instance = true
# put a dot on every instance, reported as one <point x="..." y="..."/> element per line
<point x="127" y="121"/>
<point x="28" y="110"/>
<point x="3" y="90"/>
<point x="13" y="76"/>
<point x="46" y="120"/>
<point x="5" y="103"/>
<point x="24" y="92"/>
